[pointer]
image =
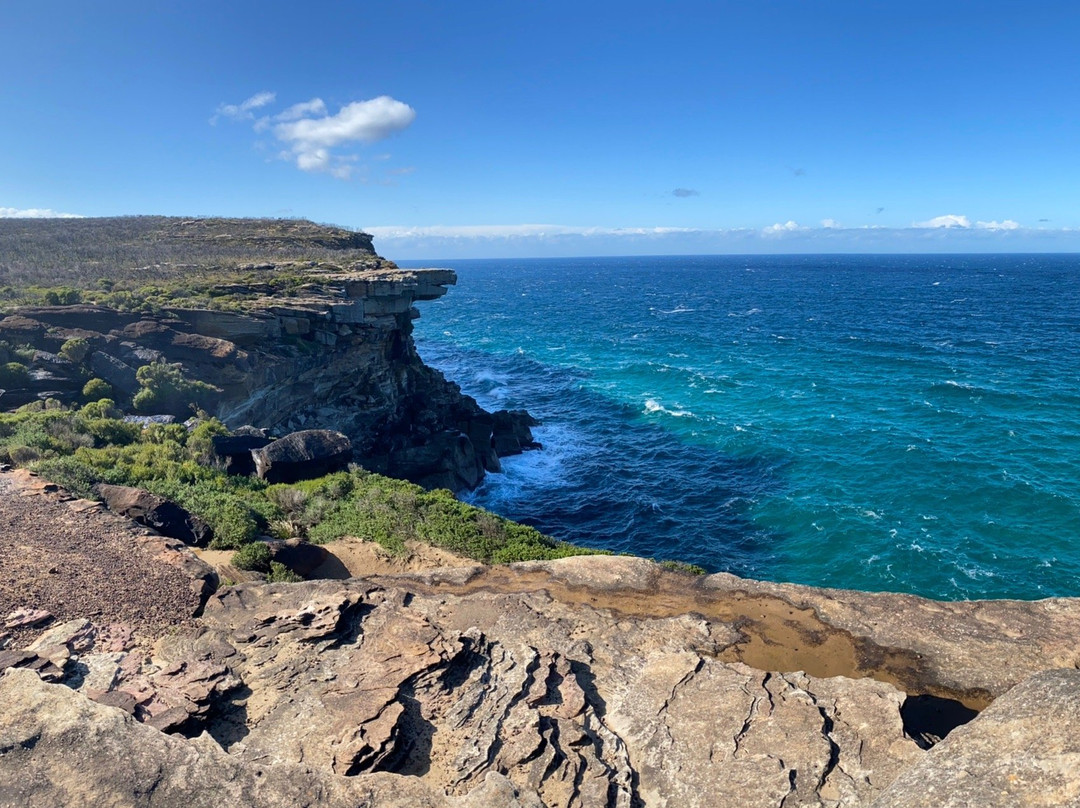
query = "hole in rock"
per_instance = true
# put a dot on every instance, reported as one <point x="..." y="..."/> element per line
<point x="928" y="719"/>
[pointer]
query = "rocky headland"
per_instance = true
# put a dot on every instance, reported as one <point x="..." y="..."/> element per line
<point x="234" y="317"/>
<point x="135" y="674"/>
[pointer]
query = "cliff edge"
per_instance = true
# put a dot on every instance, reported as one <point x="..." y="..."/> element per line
<point x="587" y="681"/>
<point x="281" y="325"/>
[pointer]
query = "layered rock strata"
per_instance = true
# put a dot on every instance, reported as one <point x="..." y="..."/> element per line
<point x="591" y="681"/>
<point x="337" y="353"/>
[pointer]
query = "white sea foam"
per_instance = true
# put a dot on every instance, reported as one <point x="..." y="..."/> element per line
<point x="545" y="469"/>
<point x="652" y="405"/>
<point x="490" y="376"/>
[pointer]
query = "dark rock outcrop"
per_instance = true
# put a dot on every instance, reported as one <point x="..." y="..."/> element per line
<point x="157" y="513"/>
<point x="300" y="556"/>
<point x="335" y="354"/>
<point x="511" y="432"/>
<point x="235" y="450"/>
<point x="302" y="455"/>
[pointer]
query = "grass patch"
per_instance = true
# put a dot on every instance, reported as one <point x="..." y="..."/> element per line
<point x="80" y="447"/>
<point x="682" y="567"/>
<point x="149" y="263"/>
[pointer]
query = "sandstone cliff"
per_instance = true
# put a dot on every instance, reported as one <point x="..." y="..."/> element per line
<point x="282" y="344"/>
<point x="128" y="678"/>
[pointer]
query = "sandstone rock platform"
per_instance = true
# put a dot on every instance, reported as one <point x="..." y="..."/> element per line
<point x="589" y="681"/>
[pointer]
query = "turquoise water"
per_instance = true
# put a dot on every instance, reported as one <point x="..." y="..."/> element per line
<point x="906" y="423"/>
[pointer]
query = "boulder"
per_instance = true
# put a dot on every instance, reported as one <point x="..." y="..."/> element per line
<point x="511" y="433"/>
<point x="300" y="556"/>
<point x="157" y="513"/>
<point x="302" y="455"/>
<point x="236" y="449"/>
<point x="117" y="373"/>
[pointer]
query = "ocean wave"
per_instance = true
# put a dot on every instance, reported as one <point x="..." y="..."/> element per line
<point x="910" y="409"/>
<point x="654" y="406"/>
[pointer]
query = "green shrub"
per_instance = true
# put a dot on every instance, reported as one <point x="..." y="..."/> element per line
<point x="682" y="567"/>
<point x="101" y="408"/>
<point x="254" y="556"/>
<point x="163" y="434"/>
<point x="96" y="389"/>
<point x="279" y="573"/>
<point x="200" y="442"/>
<point x="72" y="473"/>
<point x="14" y="374"/>
<point x="165" y="389"/>
<point x="111" y="432"/>
<point x="76" y="350"/>
<point x="63" y="296"/>
<point x="23" y="455"/>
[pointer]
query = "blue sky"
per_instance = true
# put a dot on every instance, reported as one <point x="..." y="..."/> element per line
<point x="512" y="128"/>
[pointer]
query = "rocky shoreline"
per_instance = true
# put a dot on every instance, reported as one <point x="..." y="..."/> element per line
<point x="587" y="681"/>
<point x="430" y="680"/>
<point x="300" y="345"/>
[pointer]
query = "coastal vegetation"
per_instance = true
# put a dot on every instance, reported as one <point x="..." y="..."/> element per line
<point x="148" y="263"/>
<point x="79" y="447"/>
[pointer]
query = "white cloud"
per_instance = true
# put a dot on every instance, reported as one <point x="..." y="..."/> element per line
<point x="243" y="110"/>
<point x="361" y="120"/>
<point x="315" y="160"/>
<point x="310" y="136"/>
<point x="1007" y="224"/>
<point x="313" y="107"/>
<point x="505" y="240"/>
<point x="830" y="224"/>
<point x="953" y="220"/>
<point x="35" y="213"/>
<point x="511" y="231"/>
<point x="949" y="220"/>
<point x="787" y="227"/>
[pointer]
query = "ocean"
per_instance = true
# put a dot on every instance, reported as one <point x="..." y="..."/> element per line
<point x="900" y="423"/>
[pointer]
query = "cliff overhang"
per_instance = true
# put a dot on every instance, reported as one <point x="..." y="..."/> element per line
<point x="282" y="343"/>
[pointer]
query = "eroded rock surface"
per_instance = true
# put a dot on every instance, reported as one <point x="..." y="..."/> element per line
<point x="590" y="681"/>
<point x="59" y="748"/>
<point x="573" y="705"/>
<point x="1024" y="750"/>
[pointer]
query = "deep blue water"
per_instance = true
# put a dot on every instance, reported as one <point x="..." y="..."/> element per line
<point x="907" y="423"/>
